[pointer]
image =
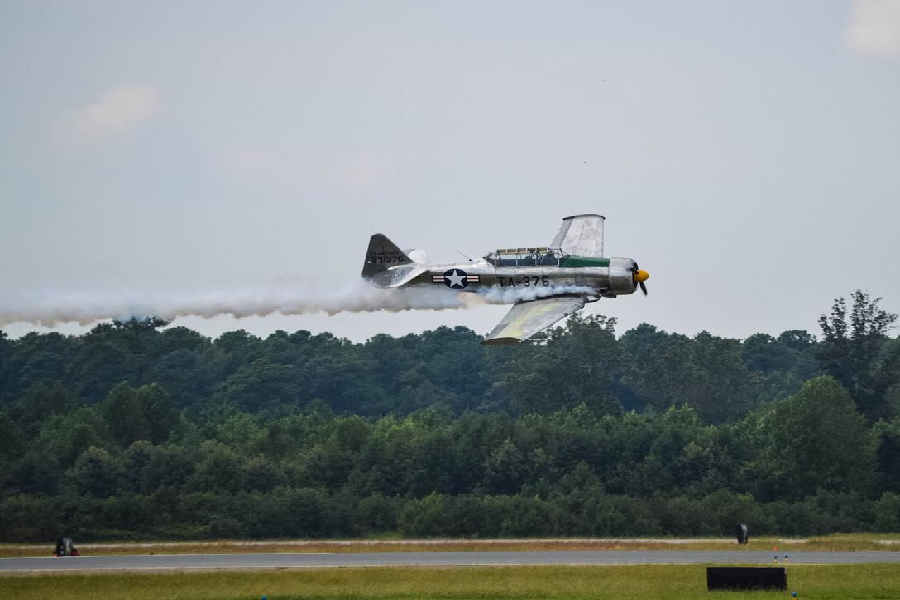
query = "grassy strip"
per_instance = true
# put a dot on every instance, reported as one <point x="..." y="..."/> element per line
<point x="845" y="582"/>
<point x="841" y="542"/>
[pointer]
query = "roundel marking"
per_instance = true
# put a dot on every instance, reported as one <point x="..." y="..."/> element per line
<point x="456" y="279"/>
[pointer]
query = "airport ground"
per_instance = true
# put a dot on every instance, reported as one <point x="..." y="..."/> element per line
<point x="855" y="542"/>
<point x="644" y="582"/>
<point x="561" y="581"/>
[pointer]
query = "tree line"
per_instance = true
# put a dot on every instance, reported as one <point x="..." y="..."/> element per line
<point x="140" y="430"/>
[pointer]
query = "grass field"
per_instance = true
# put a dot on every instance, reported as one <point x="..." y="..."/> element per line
<point x="847" y="582"/>
<point x="839" y="542"/>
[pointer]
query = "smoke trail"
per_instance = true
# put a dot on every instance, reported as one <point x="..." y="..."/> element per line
<point x="54" y="309"/>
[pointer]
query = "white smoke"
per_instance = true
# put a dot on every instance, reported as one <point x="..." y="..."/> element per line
<point x="54" y="309"/>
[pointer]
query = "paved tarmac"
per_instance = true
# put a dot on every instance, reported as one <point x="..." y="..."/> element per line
<point x="178" y="562"/>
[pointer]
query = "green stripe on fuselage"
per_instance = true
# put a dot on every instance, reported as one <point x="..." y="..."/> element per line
<point x="583" y="261"/>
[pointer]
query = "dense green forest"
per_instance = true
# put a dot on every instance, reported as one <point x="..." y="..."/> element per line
<point x="143" y="430"/>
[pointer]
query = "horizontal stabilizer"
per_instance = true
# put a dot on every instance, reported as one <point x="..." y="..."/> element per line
<point x="400" y="277"/>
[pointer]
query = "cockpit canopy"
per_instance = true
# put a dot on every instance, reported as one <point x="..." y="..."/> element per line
<point x="526" y="257"/>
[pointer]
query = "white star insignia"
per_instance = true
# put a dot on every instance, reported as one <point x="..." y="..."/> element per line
<point x="455" y="279"/>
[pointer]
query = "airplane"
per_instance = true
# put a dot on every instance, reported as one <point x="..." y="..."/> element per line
<point x="546" y="284"/>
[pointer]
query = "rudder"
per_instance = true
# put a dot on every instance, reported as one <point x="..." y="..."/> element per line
<point x="381" y="254"/>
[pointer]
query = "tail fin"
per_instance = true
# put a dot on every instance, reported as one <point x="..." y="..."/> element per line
<point x="381" y="254"/>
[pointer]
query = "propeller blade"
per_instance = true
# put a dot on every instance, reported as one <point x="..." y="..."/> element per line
<point x="635" y="270"/>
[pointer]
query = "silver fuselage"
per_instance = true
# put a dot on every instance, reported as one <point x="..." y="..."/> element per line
<point x="608" y="281"/>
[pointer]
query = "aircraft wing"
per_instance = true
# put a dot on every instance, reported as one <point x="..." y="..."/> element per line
<point x="527" y="318"/>
<point x="580" y="235"/>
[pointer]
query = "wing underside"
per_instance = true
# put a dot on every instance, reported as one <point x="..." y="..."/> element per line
<point x="527" y="318"/>
<point x="580" y="235"/>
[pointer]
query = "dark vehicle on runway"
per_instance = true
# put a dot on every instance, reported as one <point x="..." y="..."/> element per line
<point x="65" y="547"/>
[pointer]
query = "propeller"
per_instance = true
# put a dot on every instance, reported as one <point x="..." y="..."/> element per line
<point x="640" y="277"/>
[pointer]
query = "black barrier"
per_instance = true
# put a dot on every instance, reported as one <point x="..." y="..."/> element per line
<point x="746" y="578"/>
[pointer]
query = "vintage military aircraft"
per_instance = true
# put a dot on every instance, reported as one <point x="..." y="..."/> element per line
<point x="547" y="283"/>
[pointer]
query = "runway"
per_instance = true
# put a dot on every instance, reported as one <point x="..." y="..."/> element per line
<point x="262" y="561"/>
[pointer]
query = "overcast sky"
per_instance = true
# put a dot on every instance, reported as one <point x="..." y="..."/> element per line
<point x="746" y="154"/>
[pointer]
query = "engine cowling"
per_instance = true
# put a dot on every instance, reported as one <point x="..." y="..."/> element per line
<point x="621" y="276"/>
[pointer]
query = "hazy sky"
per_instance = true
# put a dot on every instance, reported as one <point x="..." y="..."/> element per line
<point x="746" y="154"/>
